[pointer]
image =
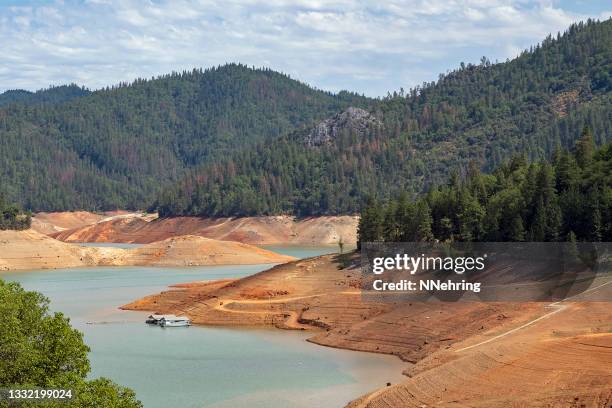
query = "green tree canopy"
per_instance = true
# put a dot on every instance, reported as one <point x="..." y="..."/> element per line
<point x="473" y="118"/>
<point x="11" y="216"/>
<point x="539" y="201"/>
<point x="40" y="349"/>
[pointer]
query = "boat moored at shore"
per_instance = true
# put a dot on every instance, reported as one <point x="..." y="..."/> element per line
<point x="174" y="321"/>
<point x="156" y="318"/>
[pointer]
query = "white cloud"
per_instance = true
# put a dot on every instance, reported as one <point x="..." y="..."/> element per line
<point x="367" y="46"/>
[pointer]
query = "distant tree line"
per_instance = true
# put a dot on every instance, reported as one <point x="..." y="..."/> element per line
<point x="566" y="198"/>
<point x="53" y="94"/>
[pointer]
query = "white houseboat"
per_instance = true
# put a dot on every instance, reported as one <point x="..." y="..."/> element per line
<point x="174" y="321"/>
<point x="156" y="318"/>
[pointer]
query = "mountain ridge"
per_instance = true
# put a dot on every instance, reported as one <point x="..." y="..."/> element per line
<point x="233" y="140"/>
<point x="478" y="113"/>
<point x="115" y="147"/>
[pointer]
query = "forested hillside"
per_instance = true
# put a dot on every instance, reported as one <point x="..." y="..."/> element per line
<point x="64" y="148"/>
<point x="566" y="198"/>
<point x="413" y="140"/>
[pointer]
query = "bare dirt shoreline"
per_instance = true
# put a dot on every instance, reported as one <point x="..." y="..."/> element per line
<point x="461" y="354"/>
<point x="26" y="250"/>
<point x="142" y="229"/>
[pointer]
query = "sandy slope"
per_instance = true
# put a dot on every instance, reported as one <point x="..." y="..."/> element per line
<point x="564" y="360"/>
<point x="49" y="223"/>
<point x="22" y="250"/>
<point x="31" y="250"/>
<point x="190" y="250"/>
<point x="514" y="359"/>
<point x="251" y="230"/>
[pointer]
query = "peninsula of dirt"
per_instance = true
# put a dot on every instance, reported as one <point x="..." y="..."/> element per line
<point x="24" y="250"/>
<point x="467" y="353"/>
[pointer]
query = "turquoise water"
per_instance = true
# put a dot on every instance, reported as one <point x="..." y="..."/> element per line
<point x="202" y="366"/>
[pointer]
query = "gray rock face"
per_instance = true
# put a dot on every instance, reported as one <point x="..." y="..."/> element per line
<point x="352" y="119"/>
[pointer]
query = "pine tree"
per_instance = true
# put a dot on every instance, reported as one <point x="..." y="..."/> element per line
<point x="594" y="216"/>
<point x="471" y="215"/>
<point x="370" y="228"/>
<point x="585" y="147"/>
<point x="423" y="222"/>
<point x="550" y="203"/>
<point x="567" y="170"/>
<point x="572" y="248"/>
<point x="516" y="232"/>
<point x="391" y="223"/>
<point x="446" y="229"/>
<point x="407" y="217"/>
<point x="538" y="228"/>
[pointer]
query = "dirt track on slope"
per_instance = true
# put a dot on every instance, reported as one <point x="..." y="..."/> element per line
<point x="562" y="359"/>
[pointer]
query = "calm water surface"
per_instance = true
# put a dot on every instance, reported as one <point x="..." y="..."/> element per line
<point x="202" y="366"/>
<point x="301" y="251"/>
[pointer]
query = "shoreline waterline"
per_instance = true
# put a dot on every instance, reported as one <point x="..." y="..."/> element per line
<point x="202" y="366"/>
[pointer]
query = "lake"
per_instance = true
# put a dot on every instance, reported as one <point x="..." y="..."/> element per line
<point x="203" y="366"/>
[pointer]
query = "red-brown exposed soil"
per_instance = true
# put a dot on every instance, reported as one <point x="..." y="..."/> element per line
<point x="23" y="250"/>
<point x="48" y="223"/>
<point x="462" y="354"/>
<point x="252" y="230"/>
<point x="53" y="222"/>
<point x="564" y="360"/>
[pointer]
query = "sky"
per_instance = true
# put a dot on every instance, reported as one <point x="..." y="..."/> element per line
<point x="370" y="47"/>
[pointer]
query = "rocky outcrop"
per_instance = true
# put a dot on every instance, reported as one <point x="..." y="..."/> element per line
<point x="354" y="120"/>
